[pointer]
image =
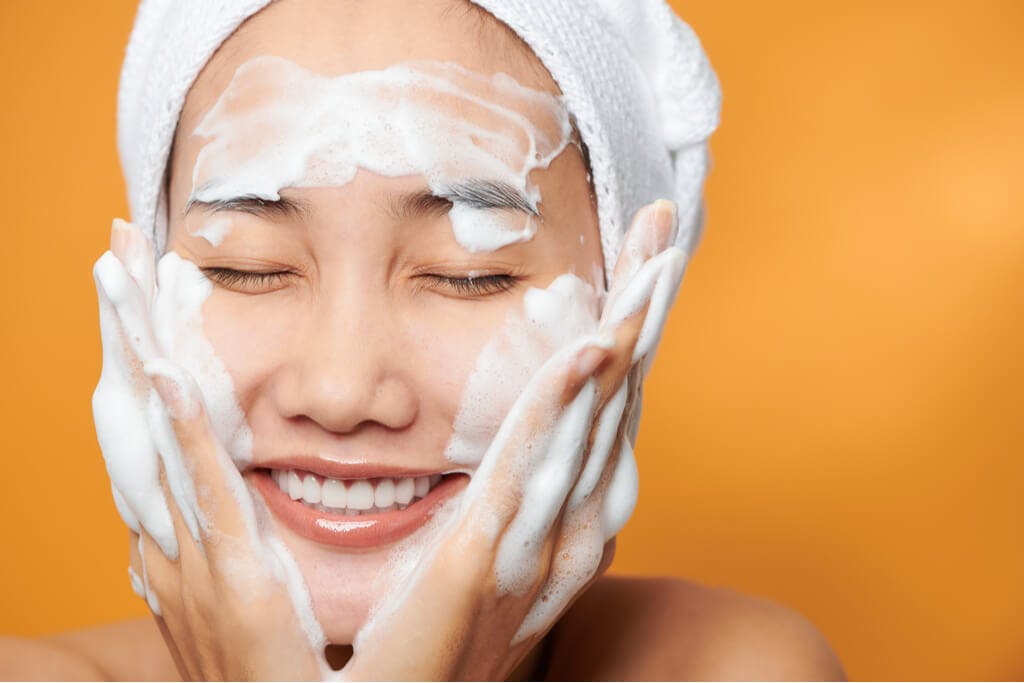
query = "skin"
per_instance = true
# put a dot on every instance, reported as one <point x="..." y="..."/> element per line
<point x="380" y="372"/>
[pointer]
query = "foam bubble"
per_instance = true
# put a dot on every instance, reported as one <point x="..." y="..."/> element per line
<point x="279" y="125"/>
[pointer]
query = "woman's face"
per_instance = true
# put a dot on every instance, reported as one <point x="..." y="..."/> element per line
<point x="351" y="358"/>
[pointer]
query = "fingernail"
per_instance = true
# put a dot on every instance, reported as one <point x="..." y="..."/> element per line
<point x="172" y="387"/>
<point x="588" y="360"/>
<point x="667" y="212"/>
<point x="119" y="238"/>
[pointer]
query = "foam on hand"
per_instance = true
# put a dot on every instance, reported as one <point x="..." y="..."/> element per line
<point x="554" y="469"/>
<point x="158" y="331"/>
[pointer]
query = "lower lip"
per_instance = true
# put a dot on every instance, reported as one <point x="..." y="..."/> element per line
<point x="353" y="531"/>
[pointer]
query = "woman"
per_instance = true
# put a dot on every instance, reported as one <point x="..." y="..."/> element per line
<point x="373" y="410"/>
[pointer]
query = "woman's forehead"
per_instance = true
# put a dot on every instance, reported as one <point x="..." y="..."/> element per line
<point x="348" y="36"/>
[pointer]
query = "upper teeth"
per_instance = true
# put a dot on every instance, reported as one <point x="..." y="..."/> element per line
<point x="353" y="496"/>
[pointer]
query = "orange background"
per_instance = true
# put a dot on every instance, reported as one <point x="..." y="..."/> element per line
<point x="836" y="418"/>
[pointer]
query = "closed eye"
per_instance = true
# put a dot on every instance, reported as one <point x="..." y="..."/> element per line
<point x="246" y="280"/>
<point x="481" y="285"/>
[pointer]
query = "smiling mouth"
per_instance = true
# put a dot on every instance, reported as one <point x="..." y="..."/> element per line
<point x="354" y="513"/>
<point x="355" y="496"/>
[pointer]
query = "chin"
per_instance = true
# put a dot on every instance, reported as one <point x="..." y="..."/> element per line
<point x="345" y="583"/>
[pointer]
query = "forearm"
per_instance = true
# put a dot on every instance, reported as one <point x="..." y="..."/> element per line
<point x="130" y="650"/>
<point x="42" y="659"/>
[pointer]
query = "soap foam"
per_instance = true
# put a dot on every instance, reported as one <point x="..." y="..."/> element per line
<point x="279" y="125"/>
<point x="406" y="120"/>
<point x="600" y="490"/>
<point x="120" y="413"/>
<point x="215" y="230"/>
<point x="137" y="437"/>
<point x="178" y="324"/>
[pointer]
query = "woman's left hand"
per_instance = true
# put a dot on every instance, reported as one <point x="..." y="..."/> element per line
<point x="538" y="517"/>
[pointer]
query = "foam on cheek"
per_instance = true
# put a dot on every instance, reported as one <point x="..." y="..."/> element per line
<point x="279" y="125"/>
<point x="178" y="325"/>
<point x="551" y="318"/>
<point x="552" y="321"/>
<point x="598" y="493"/>
<point x="131" y="423"/>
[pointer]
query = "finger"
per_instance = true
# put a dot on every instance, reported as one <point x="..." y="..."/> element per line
<point x="604" y="438"/>
<point x="653" y="230"/>
<point x="121" y="426"/>
<point x="636" y="317"/>
<point x="666" y="286"/>
<point x="647" y="274"/>
<point x="578" y="548"/>
<point x="179" y="662"/>
<point x="157" y="573"/>
<point x="601" y="501"/>
<point x="129" y="303"/>
<point x="135" y="566"/>
<point x="584" y="541"/>
<point x="641" y="281"/>
<point x="176" y="480"/>
<point x="196" y="465"/>
<point x="655" y="282"/>
<point x="162" y="584"/>
<point x="135" y="251"/>
<point x="525" y="436"/>
<point x="618" y="487"/>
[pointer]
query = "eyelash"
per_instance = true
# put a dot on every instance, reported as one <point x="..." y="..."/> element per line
<point x="483" y="285"/>
<point x="229" y="277"/>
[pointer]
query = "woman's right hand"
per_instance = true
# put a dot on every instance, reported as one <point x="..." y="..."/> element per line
<point x="229" y="603"/>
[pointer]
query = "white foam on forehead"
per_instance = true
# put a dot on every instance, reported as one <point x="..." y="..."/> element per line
<point x="279" y="125"/>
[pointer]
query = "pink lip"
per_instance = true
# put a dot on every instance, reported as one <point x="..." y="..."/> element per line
<point x="340" y="470"/>
<point x="352" y="531"/>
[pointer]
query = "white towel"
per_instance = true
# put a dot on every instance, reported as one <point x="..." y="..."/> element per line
<point x="634" y="77"/>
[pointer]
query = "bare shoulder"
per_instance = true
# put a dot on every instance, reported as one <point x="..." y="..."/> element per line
<point x="673" y="629"/>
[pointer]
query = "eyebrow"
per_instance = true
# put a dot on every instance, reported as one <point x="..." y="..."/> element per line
<point x="475" y="193"/>
<point x="283" y="207"/>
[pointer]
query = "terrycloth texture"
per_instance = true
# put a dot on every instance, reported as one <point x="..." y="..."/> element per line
<point x="633" y="75"/>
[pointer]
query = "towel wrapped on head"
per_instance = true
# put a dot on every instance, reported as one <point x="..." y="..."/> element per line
<point x="634" y="77"/>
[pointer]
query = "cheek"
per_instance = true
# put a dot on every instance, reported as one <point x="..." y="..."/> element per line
<point x="547" y="320"/>
<point x="445" y="340"/>
<point x="250" y="336"/>
<point x="432" y="350"/>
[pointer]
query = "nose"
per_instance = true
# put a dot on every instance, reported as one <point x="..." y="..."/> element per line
<point x="345" y="368"/>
